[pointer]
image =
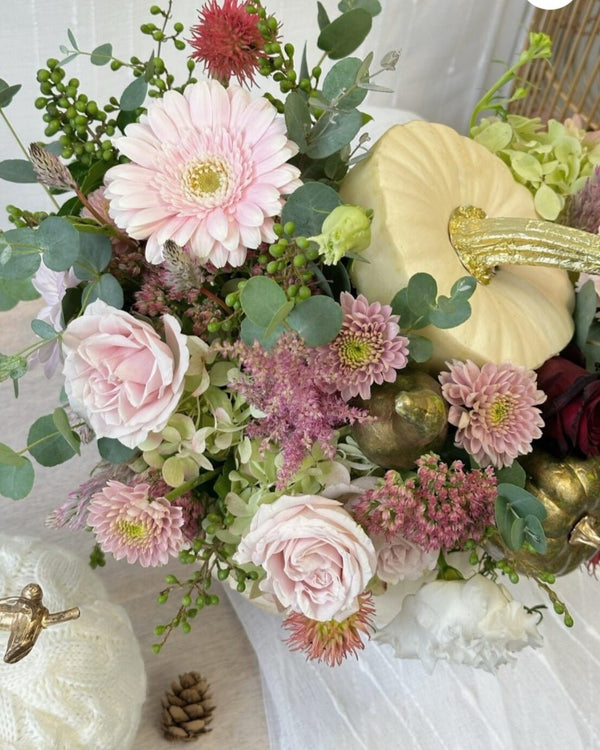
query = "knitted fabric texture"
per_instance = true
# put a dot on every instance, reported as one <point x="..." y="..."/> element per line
<point x="83" y="685"/>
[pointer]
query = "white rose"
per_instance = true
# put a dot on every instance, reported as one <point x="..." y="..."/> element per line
<point x="401" y="560"/>
<point x="474" y="622"/>
<point x="316" y="557"/>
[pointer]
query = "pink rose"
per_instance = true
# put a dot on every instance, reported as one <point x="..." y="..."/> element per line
<point x="401" y="560"/>
<point x="121" y="377"/>
<point x="316" y="557"/>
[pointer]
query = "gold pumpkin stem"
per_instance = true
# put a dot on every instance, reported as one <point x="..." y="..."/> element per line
<point x="483" y="243"/>
<point x="586" y="532"/>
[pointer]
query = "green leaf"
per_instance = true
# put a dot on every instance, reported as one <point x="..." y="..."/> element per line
<point x="114" y="451"/>
<point x="317" y="319"/>
<point x="420" y="348"/>
<point x="341" y="37"/>
<point x="42" y="329"/>
<point x="72" y="39"/>
<point x="93" y="177"/>
<point x="585" y="312"/>
<point x="421" y="294"/>
<point x="463" y="288"/>
<point x="513" y="474"/>
<point x="521" y="502"/>
<point x="61" y="422"/>
<point x="101" y="55"/>
<point x="339" y="80"/>
<point x="9" y="457"/>
<point x="134" y="95"/>
<point x="297" y="119"/>
<point x="547" y="203"/>
<point x="14" y="291"/>
<point x="95" y="253"/>
<point x="7" y="93"/>
<point x="261" y="299"/>
<point x="24" y="260"/>
<point x="59" y="242"/>
<point x="251" y="332"/>
<point x="517" y="534"/>
<point x="534" y="532"/>
<point x="46" y="444"/>
<point x="373" y="7"/>
<point x="106" y="288"/>
<point x="17" y="170"/>
<point x="279" y="317"/>
<point x="332" y="132"/>
<point x="449" y="313"/>
<point x="322" y="17"/>
<point x="308" y="206"/>
<point x="16" y="481"/>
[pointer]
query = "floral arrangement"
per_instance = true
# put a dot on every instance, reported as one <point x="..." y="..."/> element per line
<point x="265" y="410"/>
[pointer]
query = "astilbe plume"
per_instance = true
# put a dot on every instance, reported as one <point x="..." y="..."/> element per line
<point x="440" y="507"/>
<point x="331" y="641"/>
<point x="282" y="383"/>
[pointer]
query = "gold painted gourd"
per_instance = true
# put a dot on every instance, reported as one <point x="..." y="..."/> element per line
<point x="570" y="491"/>
<point x="416" y="175"/>
<point x="410" y="418"/>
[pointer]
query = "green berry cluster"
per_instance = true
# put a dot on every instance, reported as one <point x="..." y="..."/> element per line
<point x="22" y="218"/>
<point x="288" y="261"/>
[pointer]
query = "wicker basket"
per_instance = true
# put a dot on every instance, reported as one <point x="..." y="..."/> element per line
<point x="571" y="84"/>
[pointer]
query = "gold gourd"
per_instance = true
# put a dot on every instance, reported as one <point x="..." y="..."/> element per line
<point x="569" y="489"/>
<point x="410" y="418"/>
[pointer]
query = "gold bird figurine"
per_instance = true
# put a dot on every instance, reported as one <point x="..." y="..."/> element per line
<point x="25" y="616"/>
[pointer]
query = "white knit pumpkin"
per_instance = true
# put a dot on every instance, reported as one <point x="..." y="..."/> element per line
<point x="83" y="684"/>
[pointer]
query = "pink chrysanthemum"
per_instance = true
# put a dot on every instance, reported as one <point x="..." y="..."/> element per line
<point x="208" y="169"/>
<point x="441" y="507"/>
<point x="494" y="409"/>
<point x="227" y="41"/>
<point x="130" y="523"/>
<point x="331" y="641"/>
<point x="368" y="349"/>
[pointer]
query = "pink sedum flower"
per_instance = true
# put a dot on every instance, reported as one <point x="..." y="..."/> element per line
<point x="368" y="349"/>
<point x="317" y="559"/>
<point x="129" y="522"/>
<point x="120" y="376"/>
<point x="208" y="170"/>
<point x="494" y="408"/>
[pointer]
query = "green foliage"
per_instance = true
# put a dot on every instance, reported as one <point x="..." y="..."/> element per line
<point x="14" y="291"/>
<point x="134" y="95"/>
<point x="308" y="207"/>
<point x="340" y="83"/>
<point x="102" y="55"/>
<point x="587" y="328"/>
<point x="7" y="93"/>
<point x="418" y="304"/>
<point x="17" y="170"/>
<point x="519" y="516"/>
<point x="48" y="445"/>
<point x="343" y="35"/>
<point x="16" y="474"/>
<point x="20" y="256"/>
<point x="317" y="319"/>
<point x="106" y="288"/>
<point x="58" y="241"/>
<point x="114" y="451"/>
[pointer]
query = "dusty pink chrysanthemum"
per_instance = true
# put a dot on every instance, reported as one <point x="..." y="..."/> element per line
<point x="208" y="170"/>
<point x="331" y="641"/>
<point x="368" y="349"/>
<point x="494" y="408"/>
<point x="227" y="41"/>
<point x="441" y="507"/>
<point x="130" y="523"/>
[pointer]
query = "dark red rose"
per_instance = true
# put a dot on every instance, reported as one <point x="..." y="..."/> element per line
<point x="572" y="410"/>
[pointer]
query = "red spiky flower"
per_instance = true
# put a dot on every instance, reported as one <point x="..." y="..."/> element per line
<point x="227" y="41"/>
<point x="331" y="641"/>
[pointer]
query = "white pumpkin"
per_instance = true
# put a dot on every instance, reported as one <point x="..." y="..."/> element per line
<point x="83" y="684"/>
<point x="413" y="179"/>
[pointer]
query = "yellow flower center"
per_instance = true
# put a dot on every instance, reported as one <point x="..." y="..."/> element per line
<point x="356" y="352"/>
<point x="501" y="409"/>
<point x="203" y="178"/>
<point x="131" y="531"/>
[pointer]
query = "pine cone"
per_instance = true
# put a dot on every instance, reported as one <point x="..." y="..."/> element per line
<point x="187" y="711"/>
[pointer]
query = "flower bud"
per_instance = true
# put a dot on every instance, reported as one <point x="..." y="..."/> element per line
<point x="346" y="230"/>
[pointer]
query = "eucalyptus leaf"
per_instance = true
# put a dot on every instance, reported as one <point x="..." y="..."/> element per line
<point x="373" y="7"/>
<point x="317" y="319"/>
<point x="251" y="332"/>
<point x="585" y="312"/>
<point x="8" y="456"/>
<point x="513" y="474"/>
<point x="449" y="312"/>
<point x="7" y="93"/>
<point x="535" y="535"/>
<point x="421" y="294"/>
<point x="61" y="422"/>
<point x="343" y="35"/>
<point x="261" y="299"/>
<point x="114" y="451"/>
<point x="420" y="348"/>
<point x="322" y="17"/>
<point x="522" y="502"/>
<point x="308" y="207"/>
<point x="59" y="242"/>
<point x="24" y="259"/>
<point x="16" y="481"/>
<point x="333" y="131"/>
<point x="339" y="84"/>
<point x="14" y="291"/>
<point x="297" y="119"/>
<point x="42" y="329"/>
<point x="17" y="170"/>
<point x="72" y="39"/>
<point x="106" y="288"/>
<point x="46" y="444"/>
<point x="101" y="55"/>
<point x="279" y="317"/>
<point x="134" y="95"/>
<point x="94" y="256"/>
<point x="517" y="534"/>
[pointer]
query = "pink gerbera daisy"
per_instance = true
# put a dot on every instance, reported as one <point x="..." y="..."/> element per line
<point x="227" y="41"/>
<point x="130" y="523"/>
<point x="368" y="349"/>
<point x="208" y="170"/>
<point x="494" y="408"/>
